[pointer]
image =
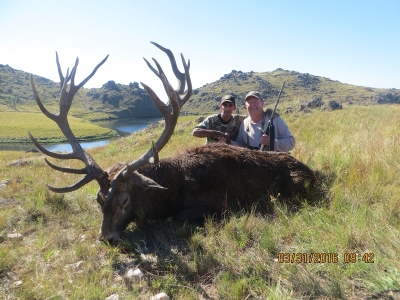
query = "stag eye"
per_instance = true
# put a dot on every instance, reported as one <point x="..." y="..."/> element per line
<point x="125" y="202"/>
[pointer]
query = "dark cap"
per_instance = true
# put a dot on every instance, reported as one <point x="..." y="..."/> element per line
<point x="254" y="94"/>
<point x="228" y="98"/>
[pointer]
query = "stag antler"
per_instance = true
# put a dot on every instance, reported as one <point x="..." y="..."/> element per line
<point x="170" y="111"/>
<point x="92" y="170"/>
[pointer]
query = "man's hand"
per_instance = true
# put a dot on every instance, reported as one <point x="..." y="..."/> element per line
<point x="225" y="138"/>
<point x="264" y="140"/>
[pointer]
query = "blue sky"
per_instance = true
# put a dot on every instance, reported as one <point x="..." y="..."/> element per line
<point x="355" y="42"/>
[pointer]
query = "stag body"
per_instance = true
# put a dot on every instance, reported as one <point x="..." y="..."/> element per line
<point x="204" y="180"/>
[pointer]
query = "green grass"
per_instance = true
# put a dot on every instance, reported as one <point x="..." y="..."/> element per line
<point x="14" y="128"/>
<point x="355" y="210"/>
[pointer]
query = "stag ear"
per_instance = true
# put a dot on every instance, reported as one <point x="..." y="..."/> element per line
<point x="145" y="182"/>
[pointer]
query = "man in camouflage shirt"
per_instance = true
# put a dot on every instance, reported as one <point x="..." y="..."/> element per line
<point x="222" y="127"/>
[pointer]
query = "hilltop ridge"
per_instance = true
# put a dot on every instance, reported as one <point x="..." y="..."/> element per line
<point x="299" y="87"/>
<point x="114" y="100"/>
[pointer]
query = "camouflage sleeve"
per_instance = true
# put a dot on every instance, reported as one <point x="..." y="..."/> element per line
<point x="239" y="118"/>
<point x="206" y="124"/>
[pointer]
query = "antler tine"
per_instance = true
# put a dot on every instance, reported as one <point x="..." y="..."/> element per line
<point x="52" y="117"/>
<point x="88" y="178"/>
<point x="182" y="97"/>
<point x="40" y="104"/>
<point x="60" y="74"/>
<point x="170" y="112"/>
<point x="188" y="82"/>
<point x="66" y="170"/>
<point x="152" y="68"/>
<point x="178" y="74"/>
<point x="93" y="72"/>
<point x="159" y="74"/>
<point x="72" y="75"/>
<point x="92" y="170"/>
<point x="52" y="154"/>
<point x="74" y="88"/>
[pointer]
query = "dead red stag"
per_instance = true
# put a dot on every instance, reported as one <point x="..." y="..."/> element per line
<point x="203" y="180"/>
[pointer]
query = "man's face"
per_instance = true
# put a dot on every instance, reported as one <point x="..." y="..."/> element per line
<point x="227" y="109"/>
<point x="254" y="106"/>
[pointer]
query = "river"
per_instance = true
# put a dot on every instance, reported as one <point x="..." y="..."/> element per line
<point x="122" y="126"/>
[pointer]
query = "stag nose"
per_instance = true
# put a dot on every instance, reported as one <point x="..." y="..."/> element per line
<point x="106" y="240"/>
<point x="109" y="239"/>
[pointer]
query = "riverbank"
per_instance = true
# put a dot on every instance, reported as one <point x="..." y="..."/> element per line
<point x="14" y="127"/>
<point x="89" y="134"/>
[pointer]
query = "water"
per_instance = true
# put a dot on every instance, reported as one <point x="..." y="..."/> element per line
<point x="127" y="126"/>
<point x="122" y="126"/>
<point x="67" y="147"/>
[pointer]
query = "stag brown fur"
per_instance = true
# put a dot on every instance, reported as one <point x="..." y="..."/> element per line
<point x="204" y="180"/>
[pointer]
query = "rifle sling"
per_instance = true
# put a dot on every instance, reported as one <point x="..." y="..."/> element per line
<point x="262" y="129"/>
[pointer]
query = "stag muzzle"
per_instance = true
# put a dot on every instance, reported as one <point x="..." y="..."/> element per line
<point x="110" y="238"/>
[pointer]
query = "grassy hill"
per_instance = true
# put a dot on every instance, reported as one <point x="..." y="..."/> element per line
<point x="119" y="101"/>
<point x="108" y="102"/>
<point x="15" y="126"/>
<point x="299" y="87"/>
<point x="353" y="218"/>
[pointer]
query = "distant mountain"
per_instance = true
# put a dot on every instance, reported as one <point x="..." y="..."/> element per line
<point x="119" y="101"/>
<point x="110" y="101"/>
<point x="299" y="88"/>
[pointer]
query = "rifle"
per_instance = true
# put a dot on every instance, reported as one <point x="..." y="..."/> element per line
<point x="270" y="127"/>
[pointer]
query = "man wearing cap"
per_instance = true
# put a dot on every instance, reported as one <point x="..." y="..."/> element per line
<point x="252" y="130"/>
<point x="222" y="127"/>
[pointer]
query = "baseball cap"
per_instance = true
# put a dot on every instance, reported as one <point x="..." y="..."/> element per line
<point x="228" y="98"/>
<point x="254" y="94"/>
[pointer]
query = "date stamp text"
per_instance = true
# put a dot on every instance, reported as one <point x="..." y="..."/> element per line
<point x="303" y="257"/>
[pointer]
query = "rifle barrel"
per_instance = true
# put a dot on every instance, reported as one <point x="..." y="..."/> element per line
<point x="270" y="126"/>
<point x="277" y="101"/>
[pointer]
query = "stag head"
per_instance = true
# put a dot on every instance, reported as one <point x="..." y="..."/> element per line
<point x="116" y="183"/>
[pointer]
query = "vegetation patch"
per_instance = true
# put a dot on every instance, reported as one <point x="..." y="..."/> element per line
<point x="15" y="126"/>
<point x="342" y="243"/>
<point x="114" y="100"/>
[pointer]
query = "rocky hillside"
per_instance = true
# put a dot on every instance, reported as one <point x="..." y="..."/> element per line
<point x="299" y="88"/>
<point x="110" y="101"/>
<point x="119" y="101"/>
